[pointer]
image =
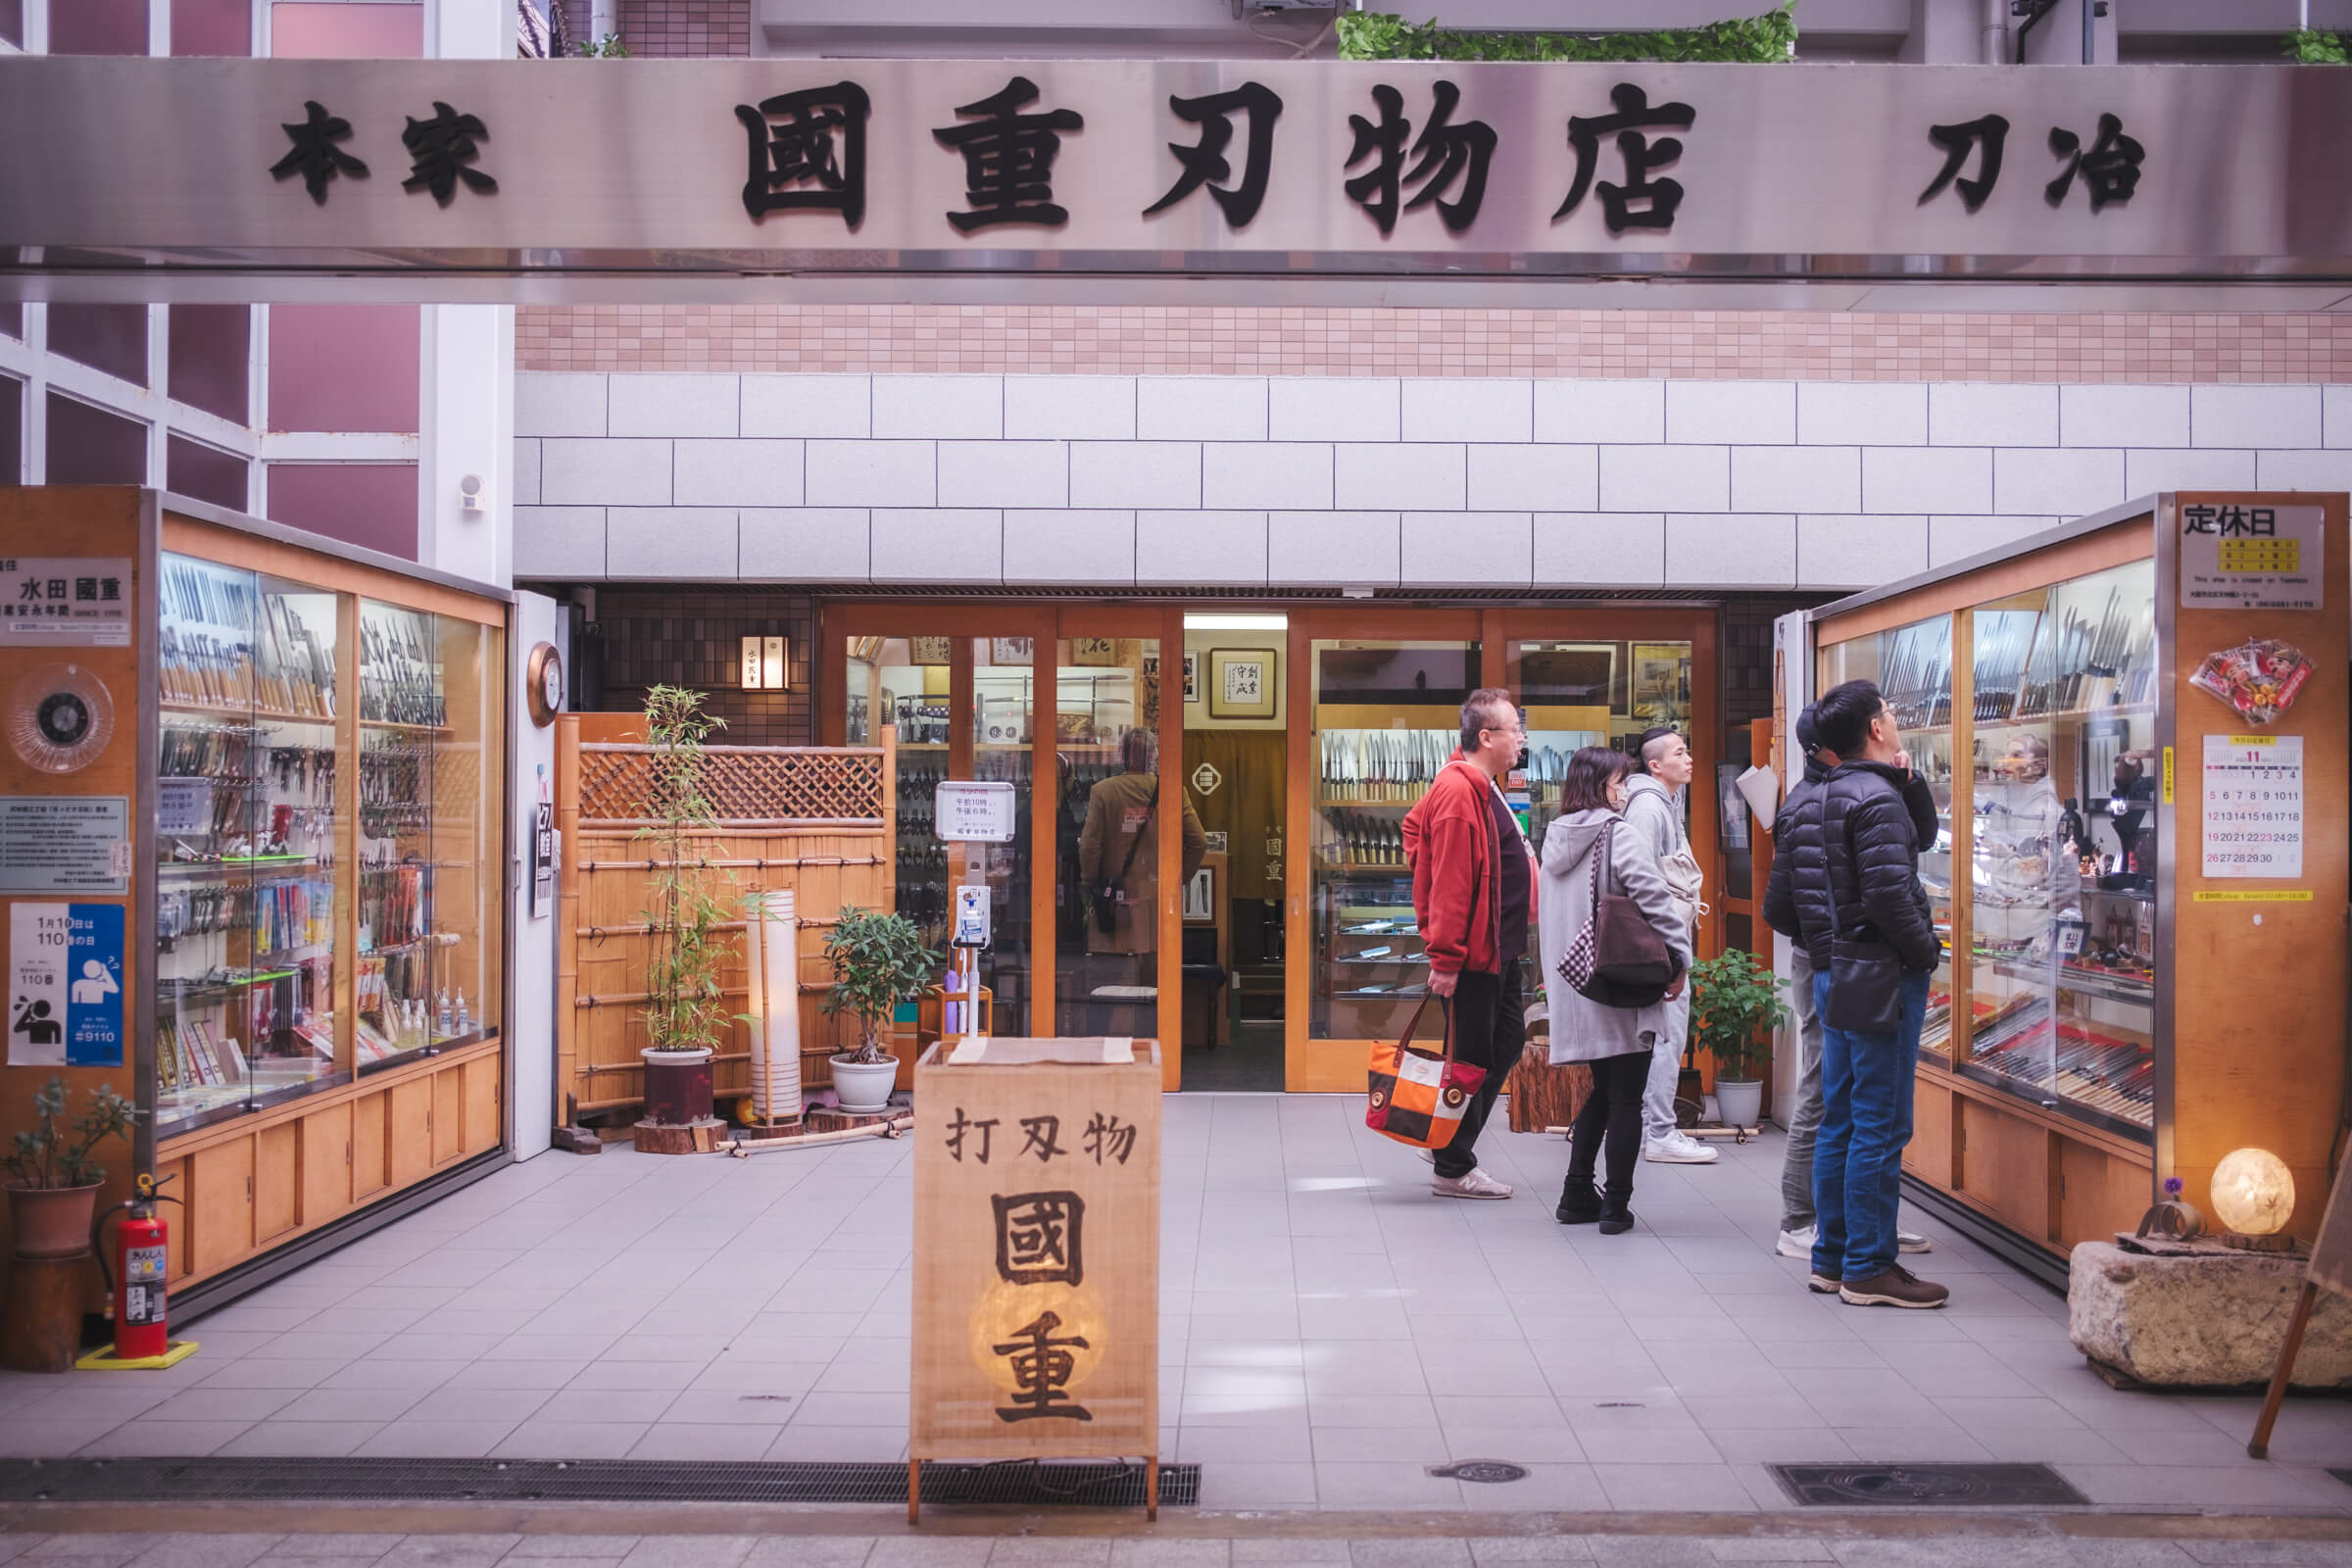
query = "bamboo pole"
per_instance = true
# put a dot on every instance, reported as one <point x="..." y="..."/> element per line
<point x="568" y="900"/>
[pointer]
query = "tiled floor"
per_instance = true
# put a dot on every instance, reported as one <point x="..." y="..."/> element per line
<point x="1329" y="1331"/>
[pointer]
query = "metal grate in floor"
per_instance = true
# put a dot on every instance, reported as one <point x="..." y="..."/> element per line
<point x="1926" y="1486"/>
<point x="1023" y="1483"/>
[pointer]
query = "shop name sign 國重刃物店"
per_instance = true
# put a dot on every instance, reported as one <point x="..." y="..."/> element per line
<point x="1119" y="167"/>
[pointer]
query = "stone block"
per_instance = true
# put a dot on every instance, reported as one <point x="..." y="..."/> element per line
<point x="2204" y="1320"/>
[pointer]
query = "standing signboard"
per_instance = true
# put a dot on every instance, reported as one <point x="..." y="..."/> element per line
<point x="1036" y="1255"/>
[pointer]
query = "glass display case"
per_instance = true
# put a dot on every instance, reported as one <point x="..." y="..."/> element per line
<point x="902" y="683"/>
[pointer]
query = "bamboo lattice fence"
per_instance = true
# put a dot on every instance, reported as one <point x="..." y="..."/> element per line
<point x="815" y="819"/>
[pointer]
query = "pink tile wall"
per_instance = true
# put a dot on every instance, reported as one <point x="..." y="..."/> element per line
<point x="1731" y="345"/>
<point x="331" y="30"/>
<point x="684" y="28"/>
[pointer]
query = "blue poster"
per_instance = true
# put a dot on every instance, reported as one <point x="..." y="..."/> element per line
<point x="94" y="987"/>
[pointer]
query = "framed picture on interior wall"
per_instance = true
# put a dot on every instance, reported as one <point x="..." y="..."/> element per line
<point x="929" y="649"/>
<point x="1008" y="651"/>
<point x="1094" y="651"/>
<point x="1661" y="682"/>
<point x="1191" y="677"/>
<point x="1572" y="675"/>
<point x="1240" y="682"/>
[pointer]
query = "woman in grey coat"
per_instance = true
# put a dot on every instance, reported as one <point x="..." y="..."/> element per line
<point x="1617" y="1042"/>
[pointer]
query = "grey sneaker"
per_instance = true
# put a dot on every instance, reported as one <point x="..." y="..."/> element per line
<point x="1478" y="1184"/>
<point x="1797" y="1243"/>
<point x="1912" y="1241"/>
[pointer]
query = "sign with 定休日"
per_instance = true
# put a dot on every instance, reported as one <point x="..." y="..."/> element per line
<point x="2237" y="557"/>
<point x="65" y="602"/>
<point x="1037" y="1251"/>
<point x="969" y="811"/>
<point x="65" y="843"/>
<point x="65" y="985"/>
<point x="2253" y="813"/>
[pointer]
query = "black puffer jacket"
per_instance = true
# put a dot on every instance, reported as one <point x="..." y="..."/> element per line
<point x="1797" y="896"/>
<point x="1870" y="848"/>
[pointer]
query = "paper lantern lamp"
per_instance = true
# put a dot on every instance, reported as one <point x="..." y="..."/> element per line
<point x="772" y="958"/>
<point x="2254" y="1196"/>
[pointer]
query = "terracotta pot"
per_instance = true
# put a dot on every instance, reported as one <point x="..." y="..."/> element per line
<point x="678" y="1086"/>
<point x="51" y="1221"/>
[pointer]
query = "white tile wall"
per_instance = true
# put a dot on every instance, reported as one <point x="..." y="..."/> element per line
<point x="681" y="543"/>
<point x="1469" y="549"/>
<point x="872" y="473"/>
<point x="1536" y="478"/>
<point x="804" y="544"/>
<point x="1066" y="547"/>
<point x="806" y="404"/>
<point x="736" y="473"/>
<point x="1286" y="475"/>
<point x="1004" y="473"/>
<point x="1249" y="481"/>
<point x="1426" y="476"/>
<point x="1217" y="549"/>
<point x="1069" y="408"/>
<point x="2254" y="415"/>
<point x="1618" y="412"/>
<point x="1469" y="408"/>
<point x="672" y="405"/>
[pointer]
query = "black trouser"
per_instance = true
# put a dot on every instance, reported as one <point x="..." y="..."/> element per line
<point x="1611" y="1119"/>
<point x="1489" y="1022"/>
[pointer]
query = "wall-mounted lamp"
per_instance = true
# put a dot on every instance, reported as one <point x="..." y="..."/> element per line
<point x="2254" y="1196"/>
<point x="763" y="664"/>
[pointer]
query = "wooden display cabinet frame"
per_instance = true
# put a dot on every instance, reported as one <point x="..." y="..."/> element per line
<point x="2272" y="1075"/>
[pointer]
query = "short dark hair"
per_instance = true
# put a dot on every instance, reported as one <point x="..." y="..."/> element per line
<point x="1590" y="771"/>
<point x="1655" y="732"/>
<point x="1843" y="713"/>
<point x="1481" y="707"/>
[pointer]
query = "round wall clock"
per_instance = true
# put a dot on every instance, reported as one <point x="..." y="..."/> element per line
<point x="543" y="678"/>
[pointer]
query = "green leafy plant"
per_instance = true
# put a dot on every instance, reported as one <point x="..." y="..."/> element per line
<point x="1735" y="1005"/>
<point x="608" y="47"/>
<point x="2310" y="46"/>
<point x="682" y="1010"/>
<point x="878" y="960"/>
<point x="1748" y="40"/>
<point x="50" y="1155"/>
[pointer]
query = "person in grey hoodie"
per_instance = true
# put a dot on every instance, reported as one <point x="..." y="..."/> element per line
<point x="1618" y="1042"/>
<point x="1654" y="805"/>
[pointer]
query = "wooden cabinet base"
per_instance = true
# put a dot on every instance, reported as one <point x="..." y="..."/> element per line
<point x="40" y="1326"/>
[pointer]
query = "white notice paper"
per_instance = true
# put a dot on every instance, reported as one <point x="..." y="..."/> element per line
<point x="2253" y="805"/>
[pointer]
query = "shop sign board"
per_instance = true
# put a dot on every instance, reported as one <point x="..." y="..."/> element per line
<point x="543" y="859"/>
<point x="2253" y="816"/>
<point x="65" y="985"/>
<point x="973" y="812"/>
<point x="65" y="602"/>
<point x="1036" y="1251"/>
<point x="2237" y="557"/>
<point x="65" y="843"/>
<point x="1180" y="168"/>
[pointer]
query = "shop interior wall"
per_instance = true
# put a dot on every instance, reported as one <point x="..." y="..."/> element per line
<point x="653" y="635"/>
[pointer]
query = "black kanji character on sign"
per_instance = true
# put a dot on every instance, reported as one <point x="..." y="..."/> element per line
<point x="1009" y="159"/>
<point x="440" y="152"/>
<point x="1642" y="157"/>
<point x="1046" y="1143"/>
<point x="2110" y="170"/>
<point x="1040" y="1238"/>
<point x="1042" y="1369"/>
<point x="1205" y="165"/>
<point x="316" y="157"/>
<point x="792" y="137"/>
<point x="1989" y="134"/>
<point x="962" y="1127"/>
<point x="1107" y="1135"/>
<point x="1446" y="152"/>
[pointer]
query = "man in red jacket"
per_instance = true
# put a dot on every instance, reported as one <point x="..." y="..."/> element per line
<point x="1474" y="892"/>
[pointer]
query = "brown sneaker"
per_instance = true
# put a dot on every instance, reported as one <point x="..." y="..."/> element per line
<point x="1823" y="1283"/>
<point x="1892" y="1286"/>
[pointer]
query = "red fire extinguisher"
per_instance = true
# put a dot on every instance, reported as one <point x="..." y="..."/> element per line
<point x="135" y="1282"/>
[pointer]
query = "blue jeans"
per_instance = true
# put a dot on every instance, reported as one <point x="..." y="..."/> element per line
<point x="1866" y="1081"/>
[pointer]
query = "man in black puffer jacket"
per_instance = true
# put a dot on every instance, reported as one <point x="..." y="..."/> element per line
<point x="1885" y="950"/>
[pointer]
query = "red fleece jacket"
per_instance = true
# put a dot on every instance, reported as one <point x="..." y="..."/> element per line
<point x="1450" y="844"/>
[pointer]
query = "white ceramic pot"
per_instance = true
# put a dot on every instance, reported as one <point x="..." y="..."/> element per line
<point x="863" y="1087"/>
<point x="1740" y="1103"/>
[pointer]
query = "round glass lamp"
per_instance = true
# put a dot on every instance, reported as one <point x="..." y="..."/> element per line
<point x="2254" y="1196"/>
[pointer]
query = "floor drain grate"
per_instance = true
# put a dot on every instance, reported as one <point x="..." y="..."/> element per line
<point x="1486" y="1472"/>
<point x="1926" y="1486"/>
<point x="1025" y="1483"/>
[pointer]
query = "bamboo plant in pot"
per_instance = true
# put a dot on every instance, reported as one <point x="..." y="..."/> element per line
<point x="1735" y="1005"/>
<point x="878" y="960"/>
<point x="684" y="1018"/>
<point x="53" y="1185"/>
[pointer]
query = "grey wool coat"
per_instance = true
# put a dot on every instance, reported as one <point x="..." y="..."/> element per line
<point x="1582" y="1029"/>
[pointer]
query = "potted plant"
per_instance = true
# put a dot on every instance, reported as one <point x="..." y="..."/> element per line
<point x="1735" y="1005"/>
<point x="879" y="961"/>
<point x="684" y="1018"/>
<point x="53" y="1186"/>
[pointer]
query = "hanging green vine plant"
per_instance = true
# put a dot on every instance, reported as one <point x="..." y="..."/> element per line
<point x="1762" y="41"/>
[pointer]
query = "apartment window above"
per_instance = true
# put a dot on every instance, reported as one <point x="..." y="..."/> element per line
<point x="98" y="28"/>
<point x="89" y="446"/>
<point x="211" y="359"/>
<point x="105" y="337"/>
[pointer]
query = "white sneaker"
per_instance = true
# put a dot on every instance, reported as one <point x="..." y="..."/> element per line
<point x="1677" y="1148"/>
<point x="1428" y="1158"/>
<point x="1912" y="1241"/>
<point x="1478" y="1184"/>
<point x="1799" y="1243"/>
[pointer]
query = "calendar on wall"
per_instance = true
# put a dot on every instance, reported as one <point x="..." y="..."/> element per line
<point x="2253" y="805"/>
